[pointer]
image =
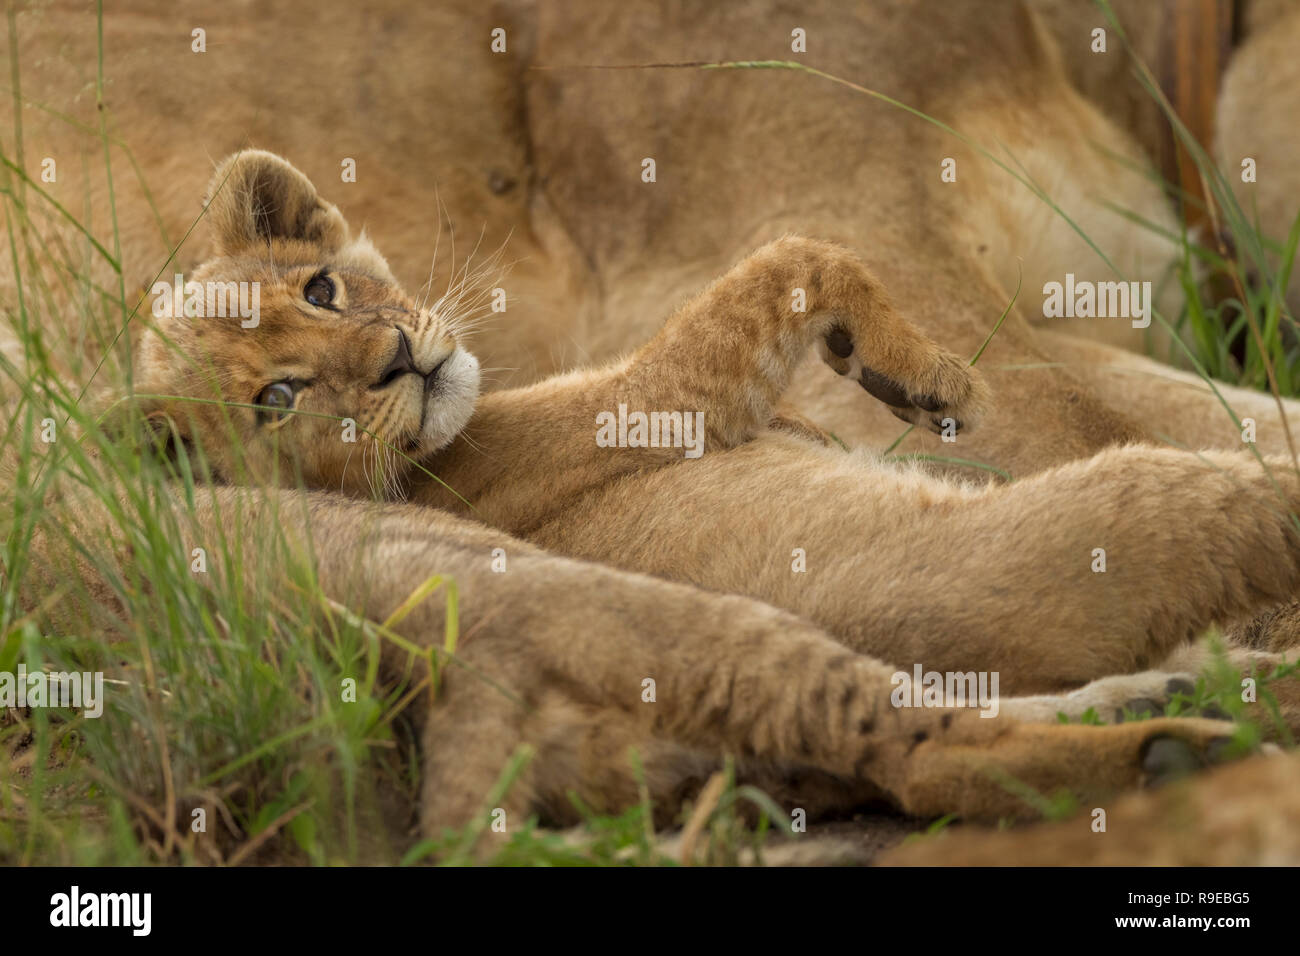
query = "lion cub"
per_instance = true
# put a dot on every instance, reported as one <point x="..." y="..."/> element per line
<point x="354" y="382"/>
<point x="340" y="372"/>
<point x="345" y="382"/>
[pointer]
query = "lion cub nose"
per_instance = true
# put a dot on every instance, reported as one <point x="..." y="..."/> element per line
<point x="402" y="363"/>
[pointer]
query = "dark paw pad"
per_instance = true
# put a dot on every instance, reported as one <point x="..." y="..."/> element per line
<point x="885" y="389"/>
<point x="1168" y="758"/>
<point x="1222" y="750"/>
<point x="1139" y="707"/>
<point x="839" y="342"/>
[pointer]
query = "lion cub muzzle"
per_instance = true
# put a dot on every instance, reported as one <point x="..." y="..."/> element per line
<point x="402" y="362"/>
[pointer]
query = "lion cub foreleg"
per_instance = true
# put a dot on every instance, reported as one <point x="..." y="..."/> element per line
<point x="731" y="351"/>
<point x="710" y="379"/>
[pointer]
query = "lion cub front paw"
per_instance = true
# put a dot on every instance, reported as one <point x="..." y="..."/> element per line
<point x="932" y="388"/>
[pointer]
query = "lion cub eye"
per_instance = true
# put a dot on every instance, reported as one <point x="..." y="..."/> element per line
<point x="276" y="399"/>
<point x="319" y="290"/>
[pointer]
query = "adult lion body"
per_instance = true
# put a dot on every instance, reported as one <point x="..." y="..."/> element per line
<point x="553" y="159"/>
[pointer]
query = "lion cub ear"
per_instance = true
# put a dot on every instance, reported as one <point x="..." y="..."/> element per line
<point x="256" y="196"/>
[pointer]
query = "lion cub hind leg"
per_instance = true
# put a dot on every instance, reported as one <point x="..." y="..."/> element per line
<point x="732" y="350"/>
<point x="830" y="712"/>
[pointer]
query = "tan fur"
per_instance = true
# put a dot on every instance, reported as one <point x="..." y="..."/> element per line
<point x="528" y="465"/>
<point x="565" y="646"/>
<point x="274" y="231"/>
<point x="1253" y="123"/>
<point x="551" y="158"/>
<point x="1244" y="815"/>
<point x="597" y="254"/>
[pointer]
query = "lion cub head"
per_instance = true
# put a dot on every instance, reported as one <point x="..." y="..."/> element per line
<point x="293" y="354"/>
